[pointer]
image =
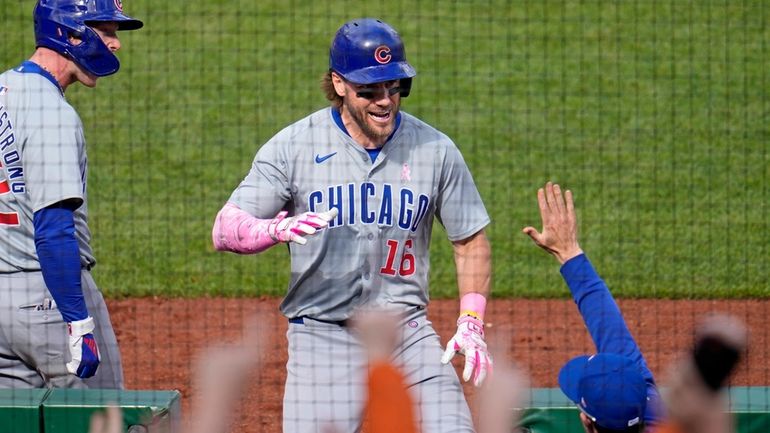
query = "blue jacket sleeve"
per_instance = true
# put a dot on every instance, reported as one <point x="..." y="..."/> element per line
<point x="605" y="323"/>
<point x="59" y="255"/>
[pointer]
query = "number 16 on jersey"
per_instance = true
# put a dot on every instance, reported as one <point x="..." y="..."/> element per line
<point x="406" y="263"/>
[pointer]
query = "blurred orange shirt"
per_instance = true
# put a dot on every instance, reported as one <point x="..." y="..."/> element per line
<point x="389" y="407"/>
<point x="667" y="427"/>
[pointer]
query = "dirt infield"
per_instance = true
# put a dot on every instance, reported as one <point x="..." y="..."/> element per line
<point x="160" y="338"/>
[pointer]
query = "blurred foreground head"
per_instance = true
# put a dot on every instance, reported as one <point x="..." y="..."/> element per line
<point x="696" y="401"/>
<point x="720" y="342"/>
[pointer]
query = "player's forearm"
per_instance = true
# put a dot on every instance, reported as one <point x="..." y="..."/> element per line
<point x="600" y="312"/>
<point x="473" y="259"/>
<point x="237" y="231"/>
<point x="59" y="256"/>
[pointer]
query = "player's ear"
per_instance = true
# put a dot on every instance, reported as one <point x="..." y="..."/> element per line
<point x="339" y="84"/>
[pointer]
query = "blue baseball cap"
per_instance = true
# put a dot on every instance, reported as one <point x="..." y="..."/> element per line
<point x="609" y="388"/>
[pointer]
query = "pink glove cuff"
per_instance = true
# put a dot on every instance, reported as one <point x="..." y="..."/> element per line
<point x="473" y="304"/>
<point x="237" y="231"/>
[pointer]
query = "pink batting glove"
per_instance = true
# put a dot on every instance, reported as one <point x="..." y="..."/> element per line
<point x="469" y="341"/>
<point x="294" y="229"/>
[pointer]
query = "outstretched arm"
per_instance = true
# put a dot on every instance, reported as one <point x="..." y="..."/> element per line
<point x="600" y="313"/>
<point x="238" y="231"/>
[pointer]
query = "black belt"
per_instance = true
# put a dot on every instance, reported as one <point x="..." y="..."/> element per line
<point x="301" y="321"/>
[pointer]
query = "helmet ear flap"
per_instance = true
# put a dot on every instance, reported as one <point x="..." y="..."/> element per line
<point x="93" y="55"/>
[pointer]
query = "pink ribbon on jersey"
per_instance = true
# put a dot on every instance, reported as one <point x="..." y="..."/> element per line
<point x="406" y="175"/>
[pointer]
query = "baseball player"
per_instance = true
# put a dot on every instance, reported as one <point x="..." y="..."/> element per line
<point x="367" y="180"/>
<point x="54" y="327"/>
<point x="613" y="389"/>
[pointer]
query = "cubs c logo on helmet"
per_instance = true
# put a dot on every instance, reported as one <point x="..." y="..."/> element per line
<point x="119" y="5"/>
<point x="382" y="54"/>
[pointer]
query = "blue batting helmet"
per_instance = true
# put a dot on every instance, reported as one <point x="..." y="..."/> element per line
<point x="366" y="51"/>
<point x="57" y="20"/>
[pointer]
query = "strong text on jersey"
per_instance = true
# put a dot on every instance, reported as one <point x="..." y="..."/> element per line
<point x="10" y="159"/>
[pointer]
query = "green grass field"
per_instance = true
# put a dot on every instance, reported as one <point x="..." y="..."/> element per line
<point x="654" y="112"/>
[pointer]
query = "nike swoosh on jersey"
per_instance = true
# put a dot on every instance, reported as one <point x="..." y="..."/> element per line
<point x="319" y="159"/>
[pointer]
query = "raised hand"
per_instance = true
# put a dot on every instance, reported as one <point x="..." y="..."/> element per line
<point x="559" y="235"/>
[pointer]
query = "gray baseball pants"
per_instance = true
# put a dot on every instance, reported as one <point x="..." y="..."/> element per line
<point x="33" y="336"/>
<point x="327" y="371"/>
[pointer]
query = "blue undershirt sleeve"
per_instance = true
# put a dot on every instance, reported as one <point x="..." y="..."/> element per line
<point x="59" y="255"/>
<point x="605" y="322"/>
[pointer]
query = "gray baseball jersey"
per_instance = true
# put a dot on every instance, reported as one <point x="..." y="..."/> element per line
<point x="43" y="158"/>
<point x="376" y="252"/>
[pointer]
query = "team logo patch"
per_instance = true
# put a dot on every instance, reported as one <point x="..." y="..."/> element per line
<point x="382" y="54"/>
<point x="412" y="324"/>
<point x="119" y="5"/>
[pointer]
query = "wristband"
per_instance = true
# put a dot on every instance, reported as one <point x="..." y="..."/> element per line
<point x="80" y="328"/>
<point x="474" y="305"/>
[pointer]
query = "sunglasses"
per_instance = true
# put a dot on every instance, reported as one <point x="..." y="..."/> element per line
<point x="371" y="92"/>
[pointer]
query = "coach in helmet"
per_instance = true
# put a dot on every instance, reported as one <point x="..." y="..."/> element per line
<point x="354" y="190"/>
<point x="55" y="330"/>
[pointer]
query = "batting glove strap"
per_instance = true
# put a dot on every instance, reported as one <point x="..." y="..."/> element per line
<point x="84" y="352"/>
<point x="470" y="313"/>
<point x="469" y="341"/>
<point x="471" y="327"/>
<point x="81" y="327"/>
